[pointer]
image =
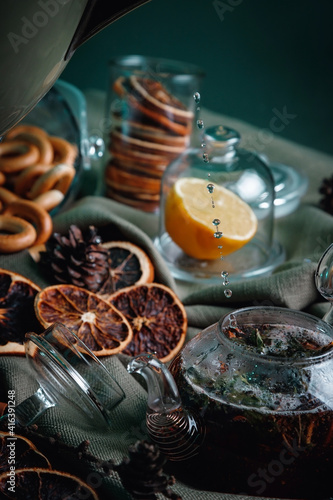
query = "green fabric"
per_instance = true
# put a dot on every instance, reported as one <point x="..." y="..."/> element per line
<point x="305" y="234"/>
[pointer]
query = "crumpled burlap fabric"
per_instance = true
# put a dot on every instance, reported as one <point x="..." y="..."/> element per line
<point x="305" y="234"/>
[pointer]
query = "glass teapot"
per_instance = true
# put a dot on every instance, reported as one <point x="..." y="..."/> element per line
<point x="247" y="405"/>
<point x="37" y="39"/>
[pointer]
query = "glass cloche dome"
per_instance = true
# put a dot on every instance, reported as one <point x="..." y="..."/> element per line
<point x="217" y="212"/>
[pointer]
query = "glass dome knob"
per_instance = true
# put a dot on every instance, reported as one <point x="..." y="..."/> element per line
<point x="221" y="137"/>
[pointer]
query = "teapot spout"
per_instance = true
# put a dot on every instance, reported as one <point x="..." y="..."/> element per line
<point x="177" y="431"/>
<point x="97" y="15"/>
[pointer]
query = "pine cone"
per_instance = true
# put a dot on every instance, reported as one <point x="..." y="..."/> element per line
<point x="77" y="259"/>
<point x="142" y="473"/>
<point x="326" y="188"/>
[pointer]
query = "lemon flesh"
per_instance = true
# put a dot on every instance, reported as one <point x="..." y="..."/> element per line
<point x="190" y="210"/>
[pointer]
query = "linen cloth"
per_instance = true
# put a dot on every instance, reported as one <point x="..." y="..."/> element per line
<point x="305" y="234"/>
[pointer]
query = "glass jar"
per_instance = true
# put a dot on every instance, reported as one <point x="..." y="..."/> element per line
<point x="235" y="190"/>
<point x="150" y="116"/>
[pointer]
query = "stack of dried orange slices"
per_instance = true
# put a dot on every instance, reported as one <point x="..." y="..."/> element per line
<point x="147" y="133"/>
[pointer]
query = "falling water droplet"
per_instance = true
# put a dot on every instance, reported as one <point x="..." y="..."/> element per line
<point x="226" y="282"/>
<point x="205" y="158"/>
<point x="196" y="97"/>
<point x="224" y="274"/>
<point x="220" y="247"/>
<point x="232" y="320"/>
<point x="228" y="293"/>
<point x="218" y="234"/>
<point x="216" y="222"/>
<point x="203" y="144"/>
<point x="210" y="188"/>
<point x="200" y="124"/>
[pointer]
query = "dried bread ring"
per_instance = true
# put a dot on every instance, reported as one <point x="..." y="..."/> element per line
<point x="17" y="155"/>
<point x="26" y="179"/>
<point x="58" y="177"/>
<point x="42" y="142"/>
<point x="50" y="199"/>
<point x="7" y="196"/>
<point x="64" y="151"/>
<point x="23" y="234"/>
<point x="22" y="129"/>
<point x="33" y="212"/>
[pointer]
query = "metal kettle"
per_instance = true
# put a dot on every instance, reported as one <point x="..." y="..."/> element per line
<point x="37" y="40"/>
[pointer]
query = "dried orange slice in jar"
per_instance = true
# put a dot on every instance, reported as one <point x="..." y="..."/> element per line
<point x="129" y="265"/>
<point x="189" y="219"/>
<point x="17" y="315"/>
<point x="157" y="317"/>
<point x="97" y="323"/>
<point x="44" y="484"/>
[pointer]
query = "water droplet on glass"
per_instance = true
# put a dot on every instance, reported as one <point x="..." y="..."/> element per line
<point x="224" y="274"/>
<point x="218" y="234"/>
<point x="232" y="321"/>
<point x="200" y="124"/>
<point x="205" y="157"/>
<point x="216" y="222"/>
<point x="210" y="188"/>
<point x="196" y="97"/>
<point x="228" y="293"/>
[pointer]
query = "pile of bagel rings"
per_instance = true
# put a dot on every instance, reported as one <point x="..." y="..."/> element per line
<point x="36" y="171"/>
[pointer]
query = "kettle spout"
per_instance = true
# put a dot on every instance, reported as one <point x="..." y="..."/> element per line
<point x="178" y="432"/>
<point x="97" y="15"/>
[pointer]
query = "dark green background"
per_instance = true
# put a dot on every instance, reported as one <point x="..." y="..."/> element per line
<point x="259" y="55"/>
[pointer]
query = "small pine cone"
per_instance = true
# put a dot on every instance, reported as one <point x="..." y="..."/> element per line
<point x="78" y="259"/>
<point x="142" y="473"/>
<point x="326" y="189"/>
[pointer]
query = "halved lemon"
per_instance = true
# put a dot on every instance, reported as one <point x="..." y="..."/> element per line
<point x="192" y="213"/>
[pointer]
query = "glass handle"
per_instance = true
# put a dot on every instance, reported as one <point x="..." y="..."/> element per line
<point x="32" y="408"/>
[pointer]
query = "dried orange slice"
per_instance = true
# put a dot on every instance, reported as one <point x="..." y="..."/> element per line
<point x="25" y="452"/>
<point x="17" y="315"/>
<point x="95" y="321"/>
<point x="150" y="97"/>
<point x="129" y="265"/>
<point x="189" y="219"/>
<point x="157" y="317"/>
<point x="44" y="484"/>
